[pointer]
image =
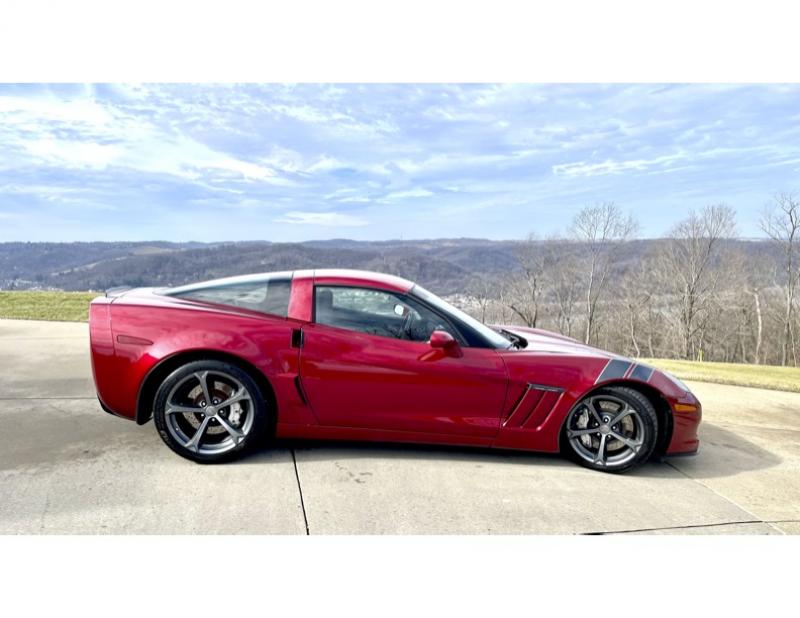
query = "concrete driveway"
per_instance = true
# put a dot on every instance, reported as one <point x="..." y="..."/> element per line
<point x="67" y="467"/>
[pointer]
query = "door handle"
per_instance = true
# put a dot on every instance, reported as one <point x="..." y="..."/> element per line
<point x="297" y="338"/>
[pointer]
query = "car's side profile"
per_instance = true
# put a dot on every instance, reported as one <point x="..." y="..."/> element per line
<point x="357" y="355"/>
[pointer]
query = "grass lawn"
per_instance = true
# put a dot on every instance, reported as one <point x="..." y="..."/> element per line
<point x="60" y="306"/>
<point x="760" y="376"/>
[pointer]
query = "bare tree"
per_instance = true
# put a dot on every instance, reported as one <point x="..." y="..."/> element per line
<point x="781" y="222"/>
<point x="757" y="271"/>
<point x="564" y="275"/>
<point x="733" y="327"/>
<point x="688" y="259"/>
<point x="636" y="293"/>
<point x="603" y="228"/>
<point x="483" y="290"/>
<point x="698" y="293"/>
<point x="524" y="293"/>
<point x="755" y="292"/>
<point x="499" y="312"/>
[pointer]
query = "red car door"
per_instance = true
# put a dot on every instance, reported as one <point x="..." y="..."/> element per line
<point x="367" y="380"/>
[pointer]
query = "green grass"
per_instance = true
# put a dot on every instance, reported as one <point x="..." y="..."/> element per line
<point x="759" y="376"/>
<point x="59" y="306"/>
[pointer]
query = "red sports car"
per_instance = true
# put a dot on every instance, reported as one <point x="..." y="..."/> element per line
<point x="364" y="356"/>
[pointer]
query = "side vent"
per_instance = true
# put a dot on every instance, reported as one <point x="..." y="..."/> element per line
<point x="297" y="338"/>
<point x="537" y="401"/>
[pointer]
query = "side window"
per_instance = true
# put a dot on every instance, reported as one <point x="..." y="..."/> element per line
<point x="267" y="296"/>
<point x="376" y="312"/>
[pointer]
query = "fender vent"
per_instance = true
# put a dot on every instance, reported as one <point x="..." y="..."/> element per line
<point x="297" y="338"/>
<point x="537" y="401"/>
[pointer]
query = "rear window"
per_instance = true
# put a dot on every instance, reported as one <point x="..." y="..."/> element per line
<point x="268" y="295"/>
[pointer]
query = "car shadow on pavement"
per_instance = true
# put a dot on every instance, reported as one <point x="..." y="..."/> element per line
<point x="722" y="453"/>
<point x="725" y="453"/>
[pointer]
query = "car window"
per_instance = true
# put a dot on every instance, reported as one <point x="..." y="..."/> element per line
<point x="267" y="296"/>
<point x="495" y="339"/>
<point x="377" y="312"/>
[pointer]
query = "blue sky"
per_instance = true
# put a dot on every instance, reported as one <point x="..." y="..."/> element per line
<point x="298" y="162"/>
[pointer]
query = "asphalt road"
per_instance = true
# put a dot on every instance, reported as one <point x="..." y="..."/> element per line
<point x="67" y="467"/>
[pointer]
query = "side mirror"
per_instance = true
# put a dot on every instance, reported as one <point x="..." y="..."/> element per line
<point x="442" y="340"/>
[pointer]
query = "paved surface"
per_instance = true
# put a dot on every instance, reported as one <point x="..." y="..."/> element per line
<point x="67" y="467"/>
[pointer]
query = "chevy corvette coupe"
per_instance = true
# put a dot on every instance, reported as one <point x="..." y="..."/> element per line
<point x="357" y="355"/>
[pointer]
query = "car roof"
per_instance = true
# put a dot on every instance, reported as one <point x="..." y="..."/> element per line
<point x="332" y="276"/>
<point x="344" y="276"/>
<point x="211" y="283"/>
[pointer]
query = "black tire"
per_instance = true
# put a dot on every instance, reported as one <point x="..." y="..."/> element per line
<point x="638" y="427"/>
<point x="231" y="431"/>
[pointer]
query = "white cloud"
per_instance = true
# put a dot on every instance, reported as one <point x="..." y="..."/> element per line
<point x="335" y="121"/>
<point x="309" y="114"/>
<point x="37" y="189"/>
<point x="764" y="155"/>
<point x="73" y="154"/>
<point x="410" y="193"/>
<point x="85" y="111"/>
<point x="445" y="162"/>
<point x="324" y="164"/>
<point x="609" y="166"/>
<point x="339" y="192"/>
<point x="453" y="114"/>
<point x="250" y="171"/>
<point x="284" y="159"/>
<point x="354" y="199"/>
<point x="108" y="136"/>
<point x="327" y="219"/>
<point x="181" y="157"/>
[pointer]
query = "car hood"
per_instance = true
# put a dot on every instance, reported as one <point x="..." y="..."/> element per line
<point x="545" y="341"/>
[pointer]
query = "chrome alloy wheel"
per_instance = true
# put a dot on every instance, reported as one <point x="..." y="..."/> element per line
<point x="209" y="412"/>
<point x="605" y="431"/>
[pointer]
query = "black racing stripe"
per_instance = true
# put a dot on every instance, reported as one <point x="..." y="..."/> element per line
<point x="641" y="372"/>
<point x="615" y="368"/>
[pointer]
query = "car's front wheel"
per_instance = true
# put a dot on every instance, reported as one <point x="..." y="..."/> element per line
<point x="613" y="429"/>
<point x="209" y="411"/>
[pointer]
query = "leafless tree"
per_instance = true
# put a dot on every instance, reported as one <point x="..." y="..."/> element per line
<point x="565" y="280"/>
<point x="732" y="328"/>
<point x="636" y="293"/>
<point x="603" y="228"/>
<point x="483" y="290"/>
<point x="757" y="274"/>
<point x="524" y="293"/>
<point x="688" y="259"/>
<point x="781" y="222"/>
<point x="698" y="293"/>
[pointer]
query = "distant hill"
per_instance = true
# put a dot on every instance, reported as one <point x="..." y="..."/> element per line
<point x="446" y="266"/>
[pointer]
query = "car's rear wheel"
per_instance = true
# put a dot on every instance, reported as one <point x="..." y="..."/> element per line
<point x="210" y="411"/>
<point x="613" y="429"/>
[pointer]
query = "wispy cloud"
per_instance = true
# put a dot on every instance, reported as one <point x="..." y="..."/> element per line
<point x="610" y="166"/>
<point x="765" y="155"/>
<point x="207" y="162"/>
<point x="408" y="193"/>
<point x="327" y="219"/>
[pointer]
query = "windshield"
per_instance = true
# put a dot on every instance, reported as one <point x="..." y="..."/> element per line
<point x="492" y="336"/>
